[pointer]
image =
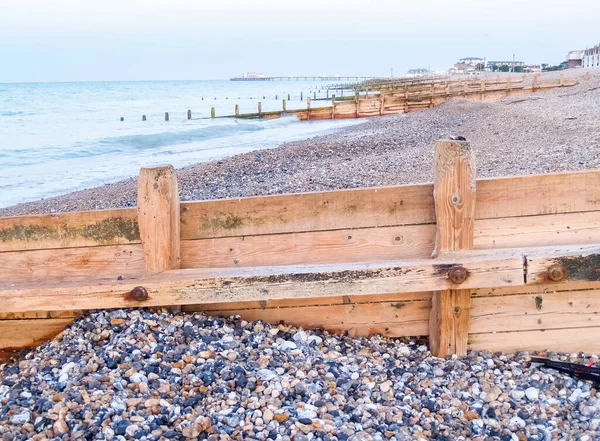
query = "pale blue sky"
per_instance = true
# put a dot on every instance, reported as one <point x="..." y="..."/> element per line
<point x="80" y="40"/>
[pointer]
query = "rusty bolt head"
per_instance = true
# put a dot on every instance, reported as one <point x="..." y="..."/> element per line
<point x="557" y="272"/>
<point x="458" y="274"/>
<point x="139" y="294"/>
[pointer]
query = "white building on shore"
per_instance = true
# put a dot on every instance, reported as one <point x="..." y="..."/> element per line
<point x="591" y="57"/>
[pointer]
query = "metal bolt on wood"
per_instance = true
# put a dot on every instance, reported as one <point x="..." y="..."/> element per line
<point x="139" y="294"/>
<point x="458" y="275"/>
<point x="557" y="272"/>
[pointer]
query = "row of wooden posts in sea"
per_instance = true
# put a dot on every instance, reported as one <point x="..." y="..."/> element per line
<point x="284" y="105"/>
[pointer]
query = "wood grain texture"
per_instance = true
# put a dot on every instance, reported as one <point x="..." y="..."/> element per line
<point x="557" y="340"/>
<point x="335" y="210"/>
<point x="394" y="319"/>
<point x="539" y="311"/>
<point x="338" y="246"/>
<point x="386" y="206"/>
<point x="26" y="333"/>
<point x="67" y="230"/>
<point x="311" y="301"/>
<point x="542" y="230"/>
<point x="187" y="286"/>
<point x="454" y="197"/>
<point x="159" y="218"/>
<point x="88" y="265"/>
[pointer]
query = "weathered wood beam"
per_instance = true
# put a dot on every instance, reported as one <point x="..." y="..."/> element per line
<point x="484" y="268"/>
<point x="159" y="218"/>
<point x="454" y="196"/>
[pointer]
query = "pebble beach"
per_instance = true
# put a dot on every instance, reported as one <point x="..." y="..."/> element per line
<point x="123" y="375"/>
<point x="148" y="375"/>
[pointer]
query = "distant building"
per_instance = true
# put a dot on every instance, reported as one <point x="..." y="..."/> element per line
<point x="496" y="65"/>
<point x="591" y="57"/>
<point x="472" y="61"/>
<point x="419" y="71"/>
<point x="574" y="59"/>
<point x="532" y="68"/>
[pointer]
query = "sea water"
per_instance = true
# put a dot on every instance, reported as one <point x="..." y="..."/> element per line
<point x="60" y="137"/>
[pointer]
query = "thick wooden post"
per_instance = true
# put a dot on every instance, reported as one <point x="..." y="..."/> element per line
<point x="284" y="105"/>
<point x="259" y="109"/>
<point x="508" y="86"/>
<point x="562" y="79"/>
<point x="308" y="108"/>
<point x="143" y="117"/>
<point x="166" y="116"/>
<point x="357" y="101"/>
<point x="237" y="110"/>
<point x="535" y="82"/>
<point x="158" y="218"/>
<point x="332" y="106"/>
<point x="454" y="197"/>
<point x="212" y="112"/>
<point x="381" y="104"/>
<point x="189" y="114"/>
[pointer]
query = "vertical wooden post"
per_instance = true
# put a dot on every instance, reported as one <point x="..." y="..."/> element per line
<point x="406" y="99"/>
<point x="454" y="197"/>
<point x="381" y="103"/>
<point x="508" y="86"/>
<point x="143" y="117"/>
<point x="237" y="110"/>
<point x="189" y="114"/>
<point x="284" y="105"/>
<point x="308" y="108"/>
<point x="288" y="97"/>
<point x="562" y="79"/>
<point x="259" y="109"/>
<point x="482" y="88"/>
<point x="357" y="102"/>
<point x="212" y="112"/>
<point x="535" y="82"/>
<point x="158" y="218"/>
<point x="301" y="97"/>
<point x="333" y="106"/>
<point x="166" y="116"/>
<point x="315" y="95"/>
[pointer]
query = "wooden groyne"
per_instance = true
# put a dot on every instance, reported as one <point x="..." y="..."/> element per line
<point x="515" y="266"/>
<point x="394" y="97"/>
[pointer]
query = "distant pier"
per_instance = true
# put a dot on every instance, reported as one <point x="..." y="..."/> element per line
<point x="303" y="78"/>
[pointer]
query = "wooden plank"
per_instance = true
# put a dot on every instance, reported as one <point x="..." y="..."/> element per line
<point x="538" y="194"/>
<point x="342" y="209"/>
<point x="186" y="286"/>
<point x="583" y="266"/>
<point x="320" y="301"/>
<point x="546" y="287"/>
<point x="70" y="265"/>
<point x="385" y="206"/>
<point x="25" y="333"/>
<point x="454" y="196"/>
<point x="76" y="229"/>
<point x="338" y="246"/>
<point x="394" y="319"/>
<point x="543" y="230"/>
<point x="572" y="309"/>
<point x="159" y="218"/>
<point x="556" y="340"/>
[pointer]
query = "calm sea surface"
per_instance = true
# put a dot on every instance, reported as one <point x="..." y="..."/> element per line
<point x="60" y="137"/>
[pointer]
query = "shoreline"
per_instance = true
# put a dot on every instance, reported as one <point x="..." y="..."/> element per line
<point x="544" y="132"/>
